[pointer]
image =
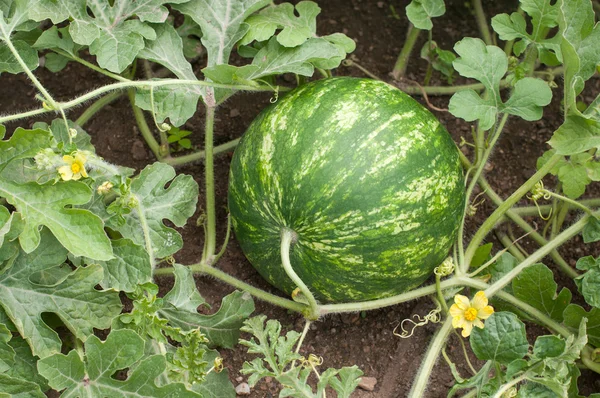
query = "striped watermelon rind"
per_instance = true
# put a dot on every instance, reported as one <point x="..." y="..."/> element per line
<point x="367" y="178"/>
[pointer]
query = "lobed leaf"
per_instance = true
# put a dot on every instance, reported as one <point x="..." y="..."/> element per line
<point x="75" y="300"/>
<point x="116" y="31"/>
<point x="222" y="24"/>
<point x="295" y="30"/>
<point x="92" y="374"/>
<point x="155" y="203"/>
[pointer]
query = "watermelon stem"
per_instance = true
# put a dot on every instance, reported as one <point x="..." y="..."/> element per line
<point x="402" y="62"/>
<point x="288" y="237"/>
<point x="205" y="269"/>
<point x="482" y="161"/>
<point x="515" y="215"/>
<point x="209" y="178"/>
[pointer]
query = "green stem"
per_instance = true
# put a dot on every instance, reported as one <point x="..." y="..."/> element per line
<point x="533" y="210"/>
<point x="538" y="255"/>
<point x="446" y="90"/>
<point x="144" y="84"/>
<point x="287" y="238"/>
<point x="517" y="219"/>
<point x="385" y="302"/>
<point x="429" y="71"/>
<point x="508" y="244"/>
<point x="96" y="107"/>
<point x="440" y="295"/>
<point x="402" y="62"/>
<point x="199" y="155"/>
<point x="29" y="73"/>
<point x="572" y="202"/>
<point x="205" y="269"/>
<point x="209" y="177"/>
<point x="482" y="23"/>
<point x="91" y="66"/>
<point x="143" y="126"/>
<point x="464" y="265"/>
<point x="433" y="351"/>
<point x="491" y="221"/>
<point x="505" y="387"/>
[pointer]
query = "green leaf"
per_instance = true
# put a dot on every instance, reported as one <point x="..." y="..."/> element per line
<point x="580" y="47"/>
<point x="75" y="300"/>
<point x="184" y="294"/>
<point x="536" y="390"/>
<point x="275" y="59"/>
<point x="8" y="62"/>
<point x="130" y="266"/>
<point x="7" y="354"/>
<point x="548" y="346"/>
<point x="25" y="366"/>
<point x="489" y="64"/>
<point x="215" y="385"/>
<point x="542" y="160"/>
<point x="167" y="50"/>
<point x="155" y="203"/>
<point x="92" y="375"/>
<point x="178" y="103"/>
<point x="222" y="24"/>
<point x="591" y="230"/>
<point x="190" y="34"/>
<point x="222" y="328"/>
<point x="575" y="135"/>
<point x="420" y="12"/>
<point x="528" y="98"/>
<point x="59" y="131"/>
<point x="482" y="255"/>
<point x="14" y="16"/>
<point x="478" y="381"/>
<point x="57" y="38"/>
<point x="78" y="230"/>
<point x="295" y="30"/>
<point x="55" y="63"/>
<point x="19" y="388"/>
<point x="503" y="338"/>
<point x="111" y="34"/>
<point x="344" y="381"/>
<point x="574" y="178"/>
<point x="573" y="316"/>
<point x="535" y="285"/>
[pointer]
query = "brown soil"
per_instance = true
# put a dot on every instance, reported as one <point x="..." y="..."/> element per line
<point x="342" y="340"/>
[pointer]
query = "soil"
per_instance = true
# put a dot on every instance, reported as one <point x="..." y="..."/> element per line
<point x="367" y="339"/>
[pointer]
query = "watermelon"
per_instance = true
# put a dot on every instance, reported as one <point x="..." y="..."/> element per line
<point x="368" y="180"/>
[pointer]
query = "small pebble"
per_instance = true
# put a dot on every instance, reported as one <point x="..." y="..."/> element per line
<point x="367" y="383"/>
<point x="380" y="4"/>
<point x="235" y="112"/>
<point x="239" y="379"/>
<point x="242" y="389"/>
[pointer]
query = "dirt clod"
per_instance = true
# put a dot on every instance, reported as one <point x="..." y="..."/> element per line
<point x="242" y="389"/>
<point x="367" y="383"/>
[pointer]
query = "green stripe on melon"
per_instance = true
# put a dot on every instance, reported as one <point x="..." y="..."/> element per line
<point x="367" y="178"/>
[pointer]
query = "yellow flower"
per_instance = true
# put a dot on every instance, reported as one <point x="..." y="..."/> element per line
<point x="466" y="314"/>
<point x="74" y="168"/>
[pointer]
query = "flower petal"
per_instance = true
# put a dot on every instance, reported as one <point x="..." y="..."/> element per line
<point x="479" y="301"/>
<point x="79" y="157"/>
<point x="478" y="323"/>
<point x="83" y="171"/>
<point x="68" y="159"/>
<point x="485" y="312"/>
<point x="458" y="322"/>
<point x="466" y="332"/>
<point x="65" y="172"/>
<point x="462" y="302"/>
<point x="456" y="311"/>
